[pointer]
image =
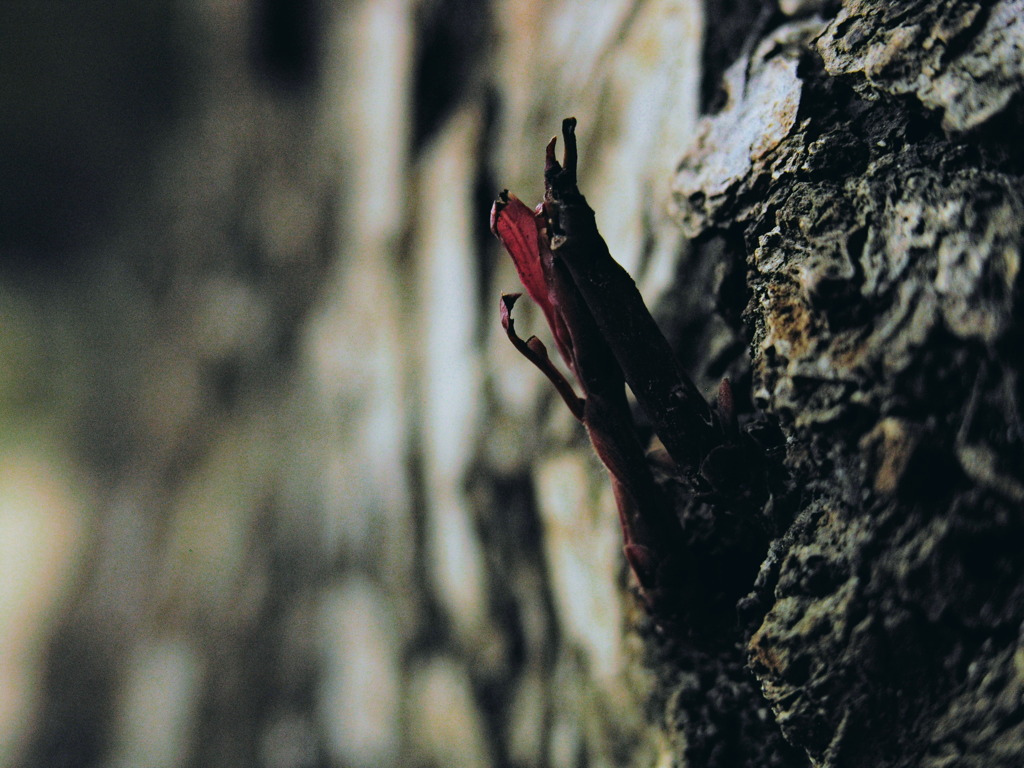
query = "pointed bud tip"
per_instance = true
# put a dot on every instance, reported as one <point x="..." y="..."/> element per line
<point x="569" y="158"/>
<point x="496" y="209"/>
<point x="550" y="162"/>
<point x="508" y="300"/>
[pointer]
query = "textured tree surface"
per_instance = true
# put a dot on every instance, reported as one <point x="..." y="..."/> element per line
<point x="275" y="490"/>
<point x="881" y="246"/>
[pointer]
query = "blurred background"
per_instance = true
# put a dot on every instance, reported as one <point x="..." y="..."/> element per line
<point x="273" y="489"/>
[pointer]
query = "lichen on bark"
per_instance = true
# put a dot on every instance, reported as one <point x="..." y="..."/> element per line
<point x="882" y="250"/>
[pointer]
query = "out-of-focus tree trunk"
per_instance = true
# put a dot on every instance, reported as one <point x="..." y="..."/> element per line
<point x="276" y="490"/>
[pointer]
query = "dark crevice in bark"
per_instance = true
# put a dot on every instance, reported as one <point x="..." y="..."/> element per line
<point x="451" y="37"/>
<point x="484" y="185"/>
<point x="286" y="41"/>
<point x="729" y="29"/>
<point x="78" y="694"/>
<point x="511" y="532"/>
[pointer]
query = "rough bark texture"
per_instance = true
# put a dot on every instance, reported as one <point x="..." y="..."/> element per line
<point x="275" y="490"/>
<point x="882" y="248"/>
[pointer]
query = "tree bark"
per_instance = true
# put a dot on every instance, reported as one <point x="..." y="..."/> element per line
<point x="879" y="212"/>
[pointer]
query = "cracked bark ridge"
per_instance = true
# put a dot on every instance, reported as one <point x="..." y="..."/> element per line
<point x="965" y="59"/>
<point x="884" y="275"/>
<point x="737" y="150"/>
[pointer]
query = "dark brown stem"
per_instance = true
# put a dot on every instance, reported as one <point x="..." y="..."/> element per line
<point x="648" y="524"/>
<point x="678" y="412"/>
<point x="533" y="349"/>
